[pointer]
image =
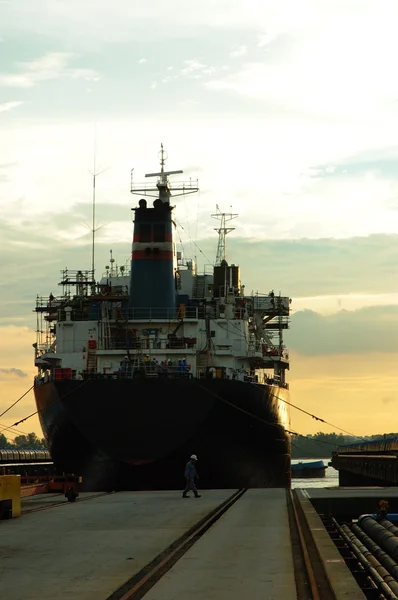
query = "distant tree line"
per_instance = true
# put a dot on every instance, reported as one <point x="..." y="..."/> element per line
<point x="30" y="441"/>
<point x="321" y="445"/>
<point x="318" y="445"/>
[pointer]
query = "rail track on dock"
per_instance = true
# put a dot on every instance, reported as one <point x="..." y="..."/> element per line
<point x="310" y="577"/>
<point x="26" y="511"/>
<point x="136" y="587"/>
<point x="311" y="580"/>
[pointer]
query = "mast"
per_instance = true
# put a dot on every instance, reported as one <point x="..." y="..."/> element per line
<point x="222" y="233"/>
<point x="163" y="190"/>
<point x="94" y="173"/>
<point x="93" y="228"/>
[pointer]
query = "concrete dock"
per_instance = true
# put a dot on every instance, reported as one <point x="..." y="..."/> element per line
<point x="86" y="550"/>
<point x="246" y="554"/>
<point x="89" y="549"/>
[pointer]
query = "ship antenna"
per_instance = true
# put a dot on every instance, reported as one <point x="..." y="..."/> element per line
<point x="94" y="229"/>
<point x="163" y="189"/>
<point x="163" y="157"/>
<point x="111" y="260"/>
<point x="222" y="233"/>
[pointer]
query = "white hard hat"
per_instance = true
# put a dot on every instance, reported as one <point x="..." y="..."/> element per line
<point x="194" y="456"/>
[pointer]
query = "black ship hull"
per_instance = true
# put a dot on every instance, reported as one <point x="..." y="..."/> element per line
<point x="139" y="433"/>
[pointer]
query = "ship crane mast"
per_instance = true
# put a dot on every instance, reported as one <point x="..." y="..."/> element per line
<point x="222" y="233"/>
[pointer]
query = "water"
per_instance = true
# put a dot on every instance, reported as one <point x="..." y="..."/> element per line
<point x="331" y="478"/>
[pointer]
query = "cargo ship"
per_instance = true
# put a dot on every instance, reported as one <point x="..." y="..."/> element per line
<point x="157" y="360"/>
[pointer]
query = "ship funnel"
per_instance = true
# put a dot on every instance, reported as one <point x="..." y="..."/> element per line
<point x="154" y="264"/>
<point x="152" y="285"/>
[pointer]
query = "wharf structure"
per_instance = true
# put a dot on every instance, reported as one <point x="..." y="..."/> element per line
<point x="373" y="463"/>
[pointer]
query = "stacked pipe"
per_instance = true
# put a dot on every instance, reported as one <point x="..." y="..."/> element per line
<point x="390" y="526"/>
<point x="384" y="537"/>
<point x="376" y="572"/>
<point x="376" y="551"/>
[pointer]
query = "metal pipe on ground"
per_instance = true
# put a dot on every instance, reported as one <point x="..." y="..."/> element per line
<point x="378" y="552"/>
<point x="378" y="581"/>
<point x="384" y="538"/>
<point x="390" y="526"/>
<point x="379" y="574"/>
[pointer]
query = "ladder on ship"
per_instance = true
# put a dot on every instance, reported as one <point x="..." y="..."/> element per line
<point x="201" y="364"/>
<point x="91" y="363"/>
<point x="141" y="364"/>
<point x="137" y="364"/>
<point x="106" y="327"/>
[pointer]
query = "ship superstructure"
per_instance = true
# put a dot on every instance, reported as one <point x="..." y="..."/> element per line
<point x="159" y="333"/>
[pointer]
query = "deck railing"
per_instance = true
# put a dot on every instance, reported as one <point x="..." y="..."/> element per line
<point x="115" y="312"/>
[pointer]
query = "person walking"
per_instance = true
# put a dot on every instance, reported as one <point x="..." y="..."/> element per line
<point x="190" y="476"/>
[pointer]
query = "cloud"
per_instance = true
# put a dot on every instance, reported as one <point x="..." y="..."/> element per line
<point x="348" y="391"/>
<point x="288" y="194"/>
<point x="53" y="65"/>
<point x="10" y="105"/>
<point x="300" y="267"/>
<point x="142" y="61"/>
<point x="193" y="67"/>
<point x="264" y="39"/>
<point x="375" y="164"/>
<point x="315" y="267"/>
<point x="4" y="170"/>
<point x="239" y="51"/>
<point x="16" y="348"/>
<point x="138" y="21"/>
<point x="326" y="276"/>
<point x="360" y="332"/>
<point x="319" y="70"/>
<point x="388" y="400"/>
<point x="13" y="372"/>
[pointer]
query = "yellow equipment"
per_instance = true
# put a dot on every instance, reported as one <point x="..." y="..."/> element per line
<point x="10" y="496"/>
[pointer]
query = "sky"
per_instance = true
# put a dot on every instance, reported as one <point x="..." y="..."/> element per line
<point x="287" y="114"/>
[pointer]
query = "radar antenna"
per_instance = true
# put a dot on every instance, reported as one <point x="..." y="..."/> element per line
<point x="163" y="189"/>
<point x="222" y="233"/>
